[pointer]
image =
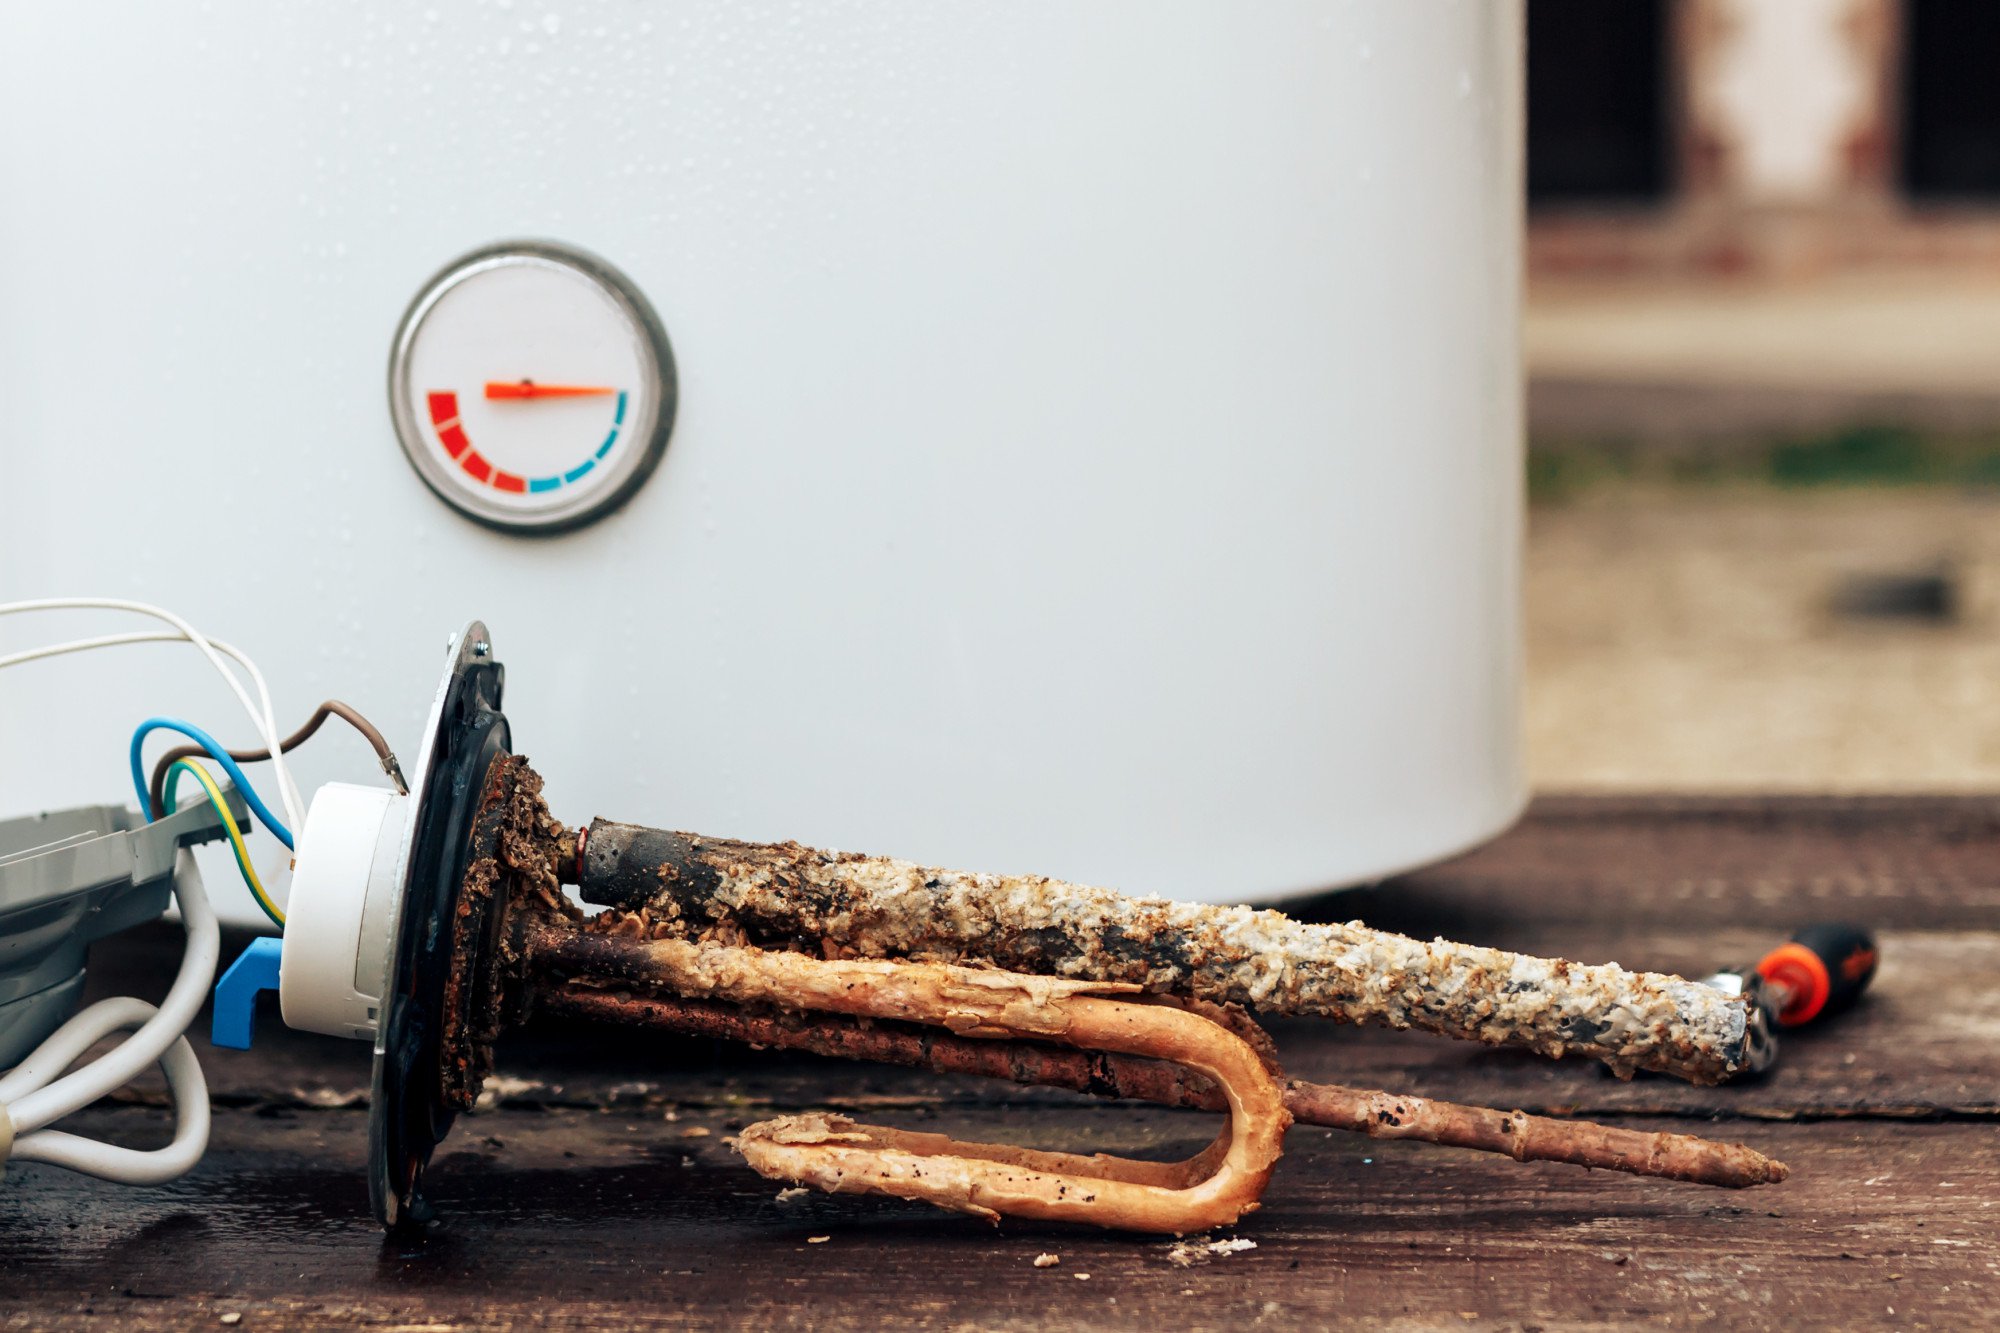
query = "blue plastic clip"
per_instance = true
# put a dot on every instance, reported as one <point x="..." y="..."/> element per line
<point x="254" y="971"/>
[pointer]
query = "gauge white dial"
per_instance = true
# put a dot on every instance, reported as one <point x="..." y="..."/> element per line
<point x="532" y="387"/>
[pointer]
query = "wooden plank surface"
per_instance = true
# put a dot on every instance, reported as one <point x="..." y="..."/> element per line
<point x="574" y="1216"/>
<point x="589" y="1194"/>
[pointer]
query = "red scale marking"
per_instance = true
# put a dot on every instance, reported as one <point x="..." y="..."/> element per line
<point x="444" y="419"/>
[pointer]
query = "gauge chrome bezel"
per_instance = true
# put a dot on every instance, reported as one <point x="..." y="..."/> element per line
<point x="651" y="427"/>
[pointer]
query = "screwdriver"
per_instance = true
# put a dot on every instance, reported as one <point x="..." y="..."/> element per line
<point x="1817" y="973"/>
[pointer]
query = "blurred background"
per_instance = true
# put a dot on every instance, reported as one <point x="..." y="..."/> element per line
<point x="1762" y="337"/>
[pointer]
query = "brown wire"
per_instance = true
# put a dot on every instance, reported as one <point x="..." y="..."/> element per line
<point x="157" y="793"/>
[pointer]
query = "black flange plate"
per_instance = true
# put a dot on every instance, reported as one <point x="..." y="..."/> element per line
<point x="408" y="1114"/>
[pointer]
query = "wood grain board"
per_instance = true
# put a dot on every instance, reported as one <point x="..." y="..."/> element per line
<point x="597" y="1190"/>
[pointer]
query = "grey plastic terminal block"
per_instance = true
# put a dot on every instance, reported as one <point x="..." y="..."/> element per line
<point x="69" y="877"/>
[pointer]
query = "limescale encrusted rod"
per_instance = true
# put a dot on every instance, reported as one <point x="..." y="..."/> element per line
<point x="784" y="895"/>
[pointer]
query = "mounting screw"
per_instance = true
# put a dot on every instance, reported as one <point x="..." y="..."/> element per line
<point x="480" y="648"/>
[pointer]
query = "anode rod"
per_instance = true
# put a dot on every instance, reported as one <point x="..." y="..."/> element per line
<point x="784" y="895"/>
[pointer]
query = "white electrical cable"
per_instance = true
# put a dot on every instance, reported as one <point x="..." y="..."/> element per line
<point x="38" y="1091"/>
<point x="113" y="641"/>
<point x="32" y="1095"/>
<point x="152" y="636"/>
<point x="263" y="718"/>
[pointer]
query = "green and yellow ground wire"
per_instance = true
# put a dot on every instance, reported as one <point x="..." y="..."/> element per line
<point x="215" y="798"/>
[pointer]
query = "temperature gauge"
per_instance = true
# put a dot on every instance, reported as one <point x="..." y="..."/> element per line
<point x="532" y="387"/>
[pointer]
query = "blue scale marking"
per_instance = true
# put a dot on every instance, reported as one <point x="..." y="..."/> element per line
<point x="538" y="485"/>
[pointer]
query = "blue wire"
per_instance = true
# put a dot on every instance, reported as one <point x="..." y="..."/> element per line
<point x="215" y="752"/>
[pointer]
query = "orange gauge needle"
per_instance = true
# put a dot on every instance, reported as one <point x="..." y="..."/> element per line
<point x="530" y="389"/>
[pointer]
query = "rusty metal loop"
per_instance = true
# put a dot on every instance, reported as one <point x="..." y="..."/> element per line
<point x="831" y="1153"/>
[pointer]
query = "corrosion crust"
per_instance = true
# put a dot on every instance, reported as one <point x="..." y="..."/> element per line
<point x="789" y="896"/>
<point x="511" y="873"/>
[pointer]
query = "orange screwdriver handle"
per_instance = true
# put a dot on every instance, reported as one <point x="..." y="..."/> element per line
<point x="1820" y="971"/>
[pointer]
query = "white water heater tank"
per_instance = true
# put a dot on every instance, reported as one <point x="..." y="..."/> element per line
<point x="1075" y="438"/>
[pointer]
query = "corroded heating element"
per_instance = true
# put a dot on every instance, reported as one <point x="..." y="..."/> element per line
<point x="1381" y="1115"/>
<point x="1211" y="1189"/>
<point x="1067" y="986"/>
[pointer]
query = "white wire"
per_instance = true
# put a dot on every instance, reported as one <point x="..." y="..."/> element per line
<point x="113" y="641"/>
<point x="132" y="1166"/>
<point x="32" y="1095"/>
<point x="150" y="636"/>
<point x="38" y="1092"/>
<point x="265" y="720"/>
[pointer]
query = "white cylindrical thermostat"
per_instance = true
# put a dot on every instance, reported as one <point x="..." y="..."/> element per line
<point x="346" y="887"/>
